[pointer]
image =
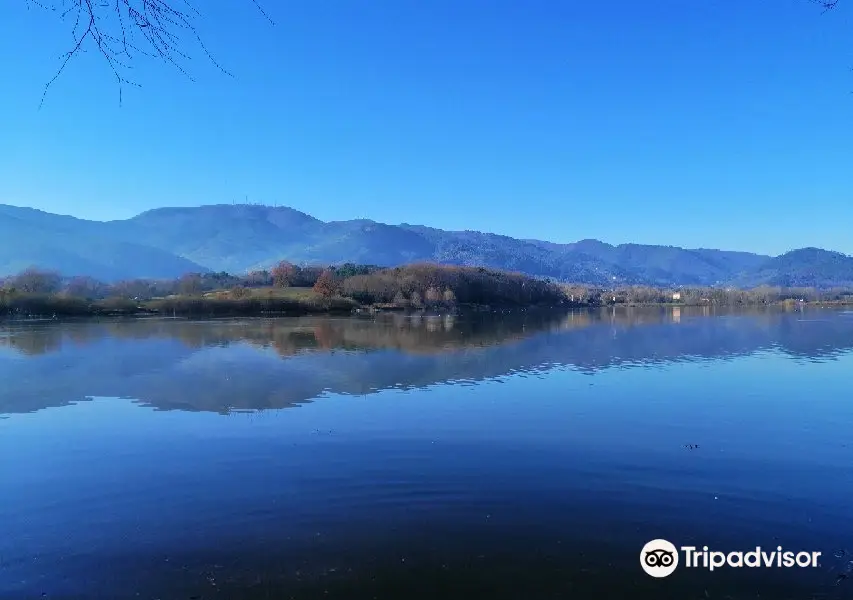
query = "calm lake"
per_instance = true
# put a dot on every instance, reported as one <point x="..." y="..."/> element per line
<point x="492" y="456"/>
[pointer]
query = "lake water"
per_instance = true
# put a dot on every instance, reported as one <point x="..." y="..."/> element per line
<point x="492" y="456"/>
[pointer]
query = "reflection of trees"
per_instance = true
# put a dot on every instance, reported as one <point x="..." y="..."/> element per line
<point x="221" y="366"/>
<point x="413" y="333"/>
<point x="34" y="342"/>
<point x="431" y="333"/>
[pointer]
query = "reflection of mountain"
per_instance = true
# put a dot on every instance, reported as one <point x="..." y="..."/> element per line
<point x="257" y="364"/>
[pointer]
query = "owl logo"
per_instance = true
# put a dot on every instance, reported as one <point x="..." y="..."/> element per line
<point x="659" y="558"/>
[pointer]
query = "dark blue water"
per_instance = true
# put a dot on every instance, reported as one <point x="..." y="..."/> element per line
<point x="491" y="457"/>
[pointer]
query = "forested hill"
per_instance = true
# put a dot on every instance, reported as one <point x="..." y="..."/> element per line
<point x="167" y="242"/>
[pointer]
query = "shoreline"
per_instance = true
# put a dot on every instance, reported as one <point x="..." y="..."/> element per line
<point x="779" y="303"/>
<point x="52" y="309"/>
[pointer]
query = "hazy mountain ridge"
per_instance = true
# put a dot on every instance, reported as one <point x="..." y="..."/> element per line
<point x="77" y="247"/>
<point x="166" y="242"/>
<point x="806" y="267"/>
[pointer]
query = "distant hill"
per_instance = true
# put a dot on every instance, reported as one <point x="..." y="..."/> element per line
<point x="77" y="247"/>
<point x="807" y="267"/>
<point x="166" y="242"/>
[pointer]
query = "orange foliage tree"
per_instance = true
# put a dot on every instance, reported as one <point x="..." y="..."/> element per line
<point x="327" y="284"/>
<point x="283" y="274"/>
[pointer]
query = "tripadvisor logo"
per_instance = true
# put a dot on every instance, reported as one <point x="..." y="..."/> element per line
<point x="659" y="558"/>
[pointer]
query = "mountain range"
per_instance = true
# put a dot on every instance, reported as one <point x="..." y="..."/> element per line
<point x="167" y="242"/>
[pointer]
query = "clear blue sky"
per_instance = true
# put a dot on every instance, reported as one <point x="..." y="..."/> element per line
<point x="718" y="123"/>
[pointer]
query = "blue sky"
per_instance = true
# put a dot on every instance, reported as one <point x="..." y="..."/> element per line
<point x="716" y="124"/>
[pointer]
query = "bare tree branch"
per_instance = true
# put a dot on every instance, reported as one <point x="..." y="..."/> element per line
<point x="826" y="5"/>
<point x="121" y="29"/>
<point x="262" y="11"/>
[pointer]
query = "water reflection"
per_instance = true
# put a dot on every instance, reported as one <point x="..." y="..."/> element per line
<point x="477" y="456"/>
<point x="224" y="366"/>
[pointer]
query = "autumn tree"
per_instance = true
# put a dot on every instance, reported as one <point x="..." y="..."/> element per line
<point x="283" y="274"/>
<point x="327" y="284"/>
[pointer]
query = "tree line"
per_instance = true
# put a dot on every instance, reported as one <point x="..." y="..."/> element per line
<point x="344" y="287"/>
<point x="698" y="296"/>
<point x="34" y="280"/>
<point x="412" y="286"/>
